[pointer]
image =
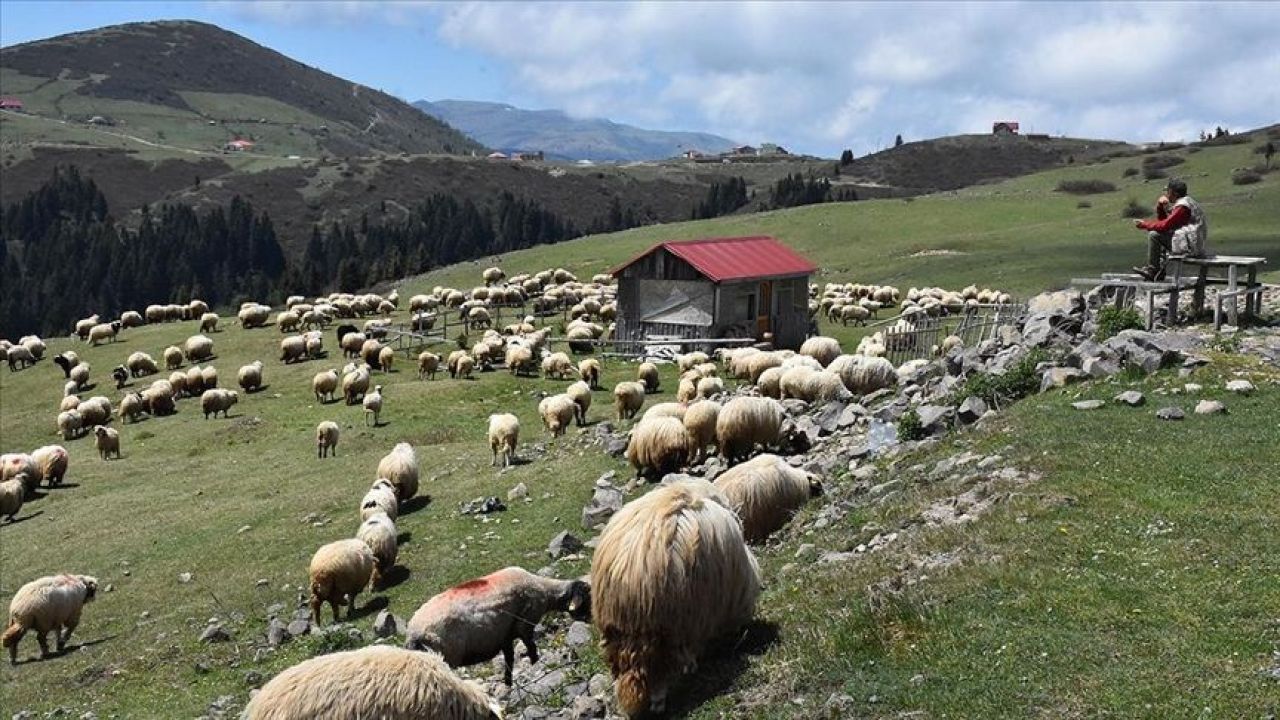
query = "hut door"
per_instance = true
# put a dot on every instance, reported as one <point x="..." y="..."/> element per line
<point x="764" y="309"/>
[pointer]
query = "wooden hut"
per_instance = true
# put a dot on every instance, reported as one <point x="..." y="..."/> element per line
<point x="738" y="287"/>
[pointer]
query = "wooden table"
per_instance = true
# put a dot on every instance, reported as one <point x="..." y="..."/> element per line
<point x="1222" y="270"/>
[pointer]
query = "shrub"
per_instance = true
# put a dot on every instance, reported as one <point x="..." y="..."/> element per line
<point x="1154" y="173"/>
<point x="1113" y="320"/>
<point x="1018" y="381"/>
<point x="1133" y="210"/>
<point x="1130" y="172"/>
<point x="1162" y="161"/>
<point x="1083" y="204"/>
<point x="909" y="427"/>
<point x="1245" y="177"/>
<point x="1085" y="187"/>
<point x="463" y="342"/>
<point x="1194" y="149"/>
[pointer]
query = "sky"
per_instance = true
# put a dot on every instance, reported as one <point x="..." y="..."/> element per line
<point x="814" y="77"/>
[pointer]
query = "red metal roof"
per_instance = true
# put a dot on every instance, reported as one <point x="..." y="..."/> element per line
<point x="734" y="258"/>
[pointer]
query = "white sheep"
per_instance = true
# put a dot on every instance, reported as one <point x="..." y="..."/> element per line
<point x="159" y="399"/>
<point x="13" y="493"/>
<point x="589" y="371"/>
<point x="557" y="365"/>
<point x="745" y="422"/>
<point x="249" y="376"/>
<point x="400" y="466"/>
<point x="647" y="374"/>
<point x="131" y="319"/>
<point x="820" y="348"/>
<point x="293" y="349"/>
<point x="765" y="492"/>
<point x="355" y="384"/>
<point x="338" y="572"/>
<point x="324" y="385"/>
<point x="428" y="365"/>
<point x="628" y="398"/>
<point x="141" y="364"/>
<point x="709" y="387"/>
<point x="107" y="440"/>
<point x="103" y="332"/>
<point x="18" y="355"/>
<point x="198" y="348"/>
<point x="472" y="622"/>
<point x="13" y="465"/>
<point x="378" y="531"/>
<point x="327" y="439"/>
<point x="253" y="315"/>
<point x="131" y="406"/>
<point x="504" y="435"/>
<point x="373" y="405"/>
<point x="659" y="446"/>
<point x="700" y="423"/>
<point x="94" y="411"/>
<point x="172" y="357"/>
<point x="381" y="498"/>
<point x="218" y="401"/>
<point x="80" y="375"/>
<point x="580" y="393"/>
<point x="69" y="402"/>
<point x="52" y="603"/>
<point x="557" y="413"/>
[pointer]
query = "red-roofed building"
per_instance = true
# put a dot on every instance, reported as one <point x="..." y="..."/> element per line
<point x="715" y="288"/>
<point x="239" y="145"/>
<point x="10" y="103"/>
<point x="1004" y="127"/>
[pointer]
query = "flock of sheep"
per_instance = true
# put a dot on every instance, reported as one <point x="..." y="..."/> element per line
<point x="673" y="569"/>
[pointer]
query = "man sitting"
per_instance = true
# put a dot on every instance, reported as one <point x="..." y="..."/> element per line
<point x="1179" y="227"/>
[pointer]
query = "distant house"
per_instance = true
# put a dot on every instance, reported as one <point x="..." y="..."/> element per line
<point x="772" y="149"/>
<point x="496" y="156"/>
<point x="100" y="120"/>
<point x="743" y="150"/>
<point x="535" y="156"/>
<point x="1004" y="127"/>
<point x="239" y="145"/>
<point x="11" y="103"/>
<point x="691" y="154"/>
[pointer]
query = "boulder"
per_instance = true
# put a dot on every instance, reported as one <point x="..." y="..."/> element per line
<point x="1088" y="404"/>
<point x="1170" y="413"/>
<point x="827" y="417"/>
<point x="604" y="503"/>
<point x="1132" y="398"/>
<point x="971" y="409"/>
<point x="563" y="544"/>
<point x="1210" y="407"/>
<point x="1099" y="367"/>
<point x="1244" y="387"/>
<point x="934" y="418"/>
<point x="1056" y="377"/>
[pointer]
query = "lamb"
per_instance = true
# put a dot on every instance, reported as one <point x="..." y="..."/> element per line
<point x="131" y="406"/>
<point x="327" y="439"/>
<point x="580" y="393"/>
<point x="557" y="413"/>
<point x="66" y="361"/>
<point x="472" y="622"/>
<point x="765" y="492"/>
<point x="141" y="364"/>
<point x="659" y="446"/>
<point x="628" y="398"/>
<point x="84" y="326"/>
<point x="557" y="364"/>
<point x="504" y="434"/>
<point x="745" y="422"/>
<point x="79" y="373"/>
<point x="51" y="464"/>
<point x="400" y="466"/>
<point x="338" y="571"/>
<point x="428" y="365"/>
<point x="120" y="375"/>
<point x="107" y="440"/>
<point x="373" y="405"/>
<point x="700" y="423"/>
<point x="355" y="384"/>
<point x="324" y="385"/>
<point x="647" y="373"/>
<point x="70" y="423"/>
<point x="589" y="371"/>
<point x="379" y="532"/>
<point x="13" y="493"/>
<point x="198" y="348"/>
<point x="386" y="358"/>
<point x="19" y="355"/>
<point x="172" y="357"/>
<point x="293" y="349"/>
<point x="218" y="401"/>
<point x="378" y="681"/>
<point x="820" y="348"/>
<point x="250" y="376"/>
<point x="48" y="603"/>
<point x="381" y="499"/>
<point x="670" y="574"/>
<point x="104" y="331"/>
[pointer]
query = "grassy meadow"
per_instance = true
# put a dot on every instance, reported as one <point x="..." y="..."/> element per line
<point x="1127" y="570"/>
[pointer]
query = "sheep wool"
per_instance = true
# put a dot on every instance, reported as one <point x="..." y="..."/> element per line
<point x="51" y="463"/>
<point x="52" y="603"/>
<point x="172" y="357"/>
<point x="324" y="384"/>
<point x="472" y="622"/>
<point x="70" y="402"/>
<point x="428" y="365"/>
<point x="557" y="365"/>
<point x="381" y="498"/>
<point x="218" y="401"/>
<point x="504" y="435"/>
<point x="208" y="377"/>
<point x="628" y="398"/>
<point x="339" y="571"/>
<point x="589" y="371"/>
<point x="700" y="423"/>
<point x="659" y="446"/>
<point x="12" y="494"/>
<point x="327" y="439"/>
<point x="69" y="424"/>
<point x="580" y="393"/>
<point x="400" y="466"/>
<point x="820" y="348"/>
<point x="79" y="374"/>
<point x="107" y="440"/>
<point x="647" y="374"/>
<point x="671" y="573"/>
<point x="293" y="349"/>
<point x="131" y="406"/>
<point x="373" y="405"/>
<point x="765" y="492"/>
<point x="250" y="376"/>
<point x="378" y="681"/>
<point x="198" y="348"/>
<point x="745" y="422"/>
<point x="557" y="413"/>
<point x="379" y="532"/>
<point x="14" y="464"/>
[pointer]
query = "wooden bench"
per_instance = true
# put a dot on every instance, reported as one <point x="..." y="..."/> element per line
<point x="1221" y="270"/>
<point x="1127" y="285"/>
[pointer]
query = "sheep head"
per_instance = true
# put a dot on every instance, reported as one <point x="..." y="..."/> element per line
<point x="577" y="600"/>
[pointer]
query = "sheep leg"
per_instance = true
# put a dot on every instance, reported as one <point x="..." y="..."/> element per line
<point x="316" y="604"/>
<point x="333" y="605"/>
<point x="12" y="638"/>
<point x="509" y="655"/>
<point x="351" y="606"/>
<point x="65" y="635"/>
<point x="43" y="639"/>
<point x="530" y="647"/>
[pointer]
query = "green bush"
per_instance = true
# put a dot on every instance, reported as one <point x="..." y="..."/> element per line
<point x="463" y="342"/>
<point x="1245" y="177"/>
<point x="1130" y="171"/>
<point x="1133" y="210"/>
<point x="1154" y="173"/>
<point x="1162" y="161"/>
<point x="1083" y="204"/>
<point x="909" y="427"/>
<point x="1018" y="381"/>
<point x="1112" y="320"/>
<point x="1085" y="187"/>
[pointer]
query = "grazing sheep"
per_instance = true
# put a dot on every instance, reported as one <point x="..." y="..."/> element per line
<point x="863" y="374"/>
<point x="107" y="440"/>
<point x="70" y="402"/>
<point x="580" y="340"/>
<point x="659" y="446"/>
<point x="339" y="571"/>
<point x="208" y="377"/>
<point x="218" y="401"/>
<point x="381" y="499"/>
<point x="95" y="411"/>
<point x="466" y="364"/>
<point x="120" y="375"/>
<point x="770" y="382"/>
<point x="66" y="361"/>
<point x="580" y="393"/>
<point x="676" y="410"/>
<point x="250" y="376"/>
<point x="13" y="465"/>
<point x="428" y="365"/>
<point x="478" y="317"/>
<point x="745" y="422"/>
<point x="327" y="439"/>
<point x="198" y="348"/>
<point x="949" y="343"/>
<point x="671" y="573"/>
<point x="518" y="359"/>
<point x="379" y="532"/>
<point x="557" y="413"/>
<point x="700" y="423"/>
<point x="709" y="387"/>
<point x="19" y="355"/>
<point x="131" y="319"/>
<point x="195" y="381"/>
<point x="324" y="385"/>
<point x="765" y="492"/>
<point x="687" y="390"/>
<point x="70" y="423"/>
<point x="79" y="374"/>
<point x="691" y="360"/>
<point x="558" y="365"/>
<point x="822" y="349"/>
<point x="104" y="331"/>
<point x="141" y="364"/>
<point x="51" y="463"/>
<point x="288" y="321"/>
<point x="373" y="405"/>
<point x="355" y="384"/>
<point x="159" y="399"/>
<point x="84" y="326"/>
<point x="472" y="622"/>
<point x="493" y="275"/>
<point x="628" y="398"/>
<point x="504" y="434"/>
<point x="172" y="357"/>
<point x="293" y="349"/>
<point x="351" y="341"/>
<point x="647" y="374"/>
<point x="378" y="681"/>
<point x="13" y="493"/>
<point x="131" y="406"/>
<point x="48" y="603"/>
<point x="589" y="371"/>
<point x="209" y="322"/>
<point x="400" y="466"/>
<point x="253" y="315"/>
<point x="34" y="345"/>
<point x="386" y="358"/>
